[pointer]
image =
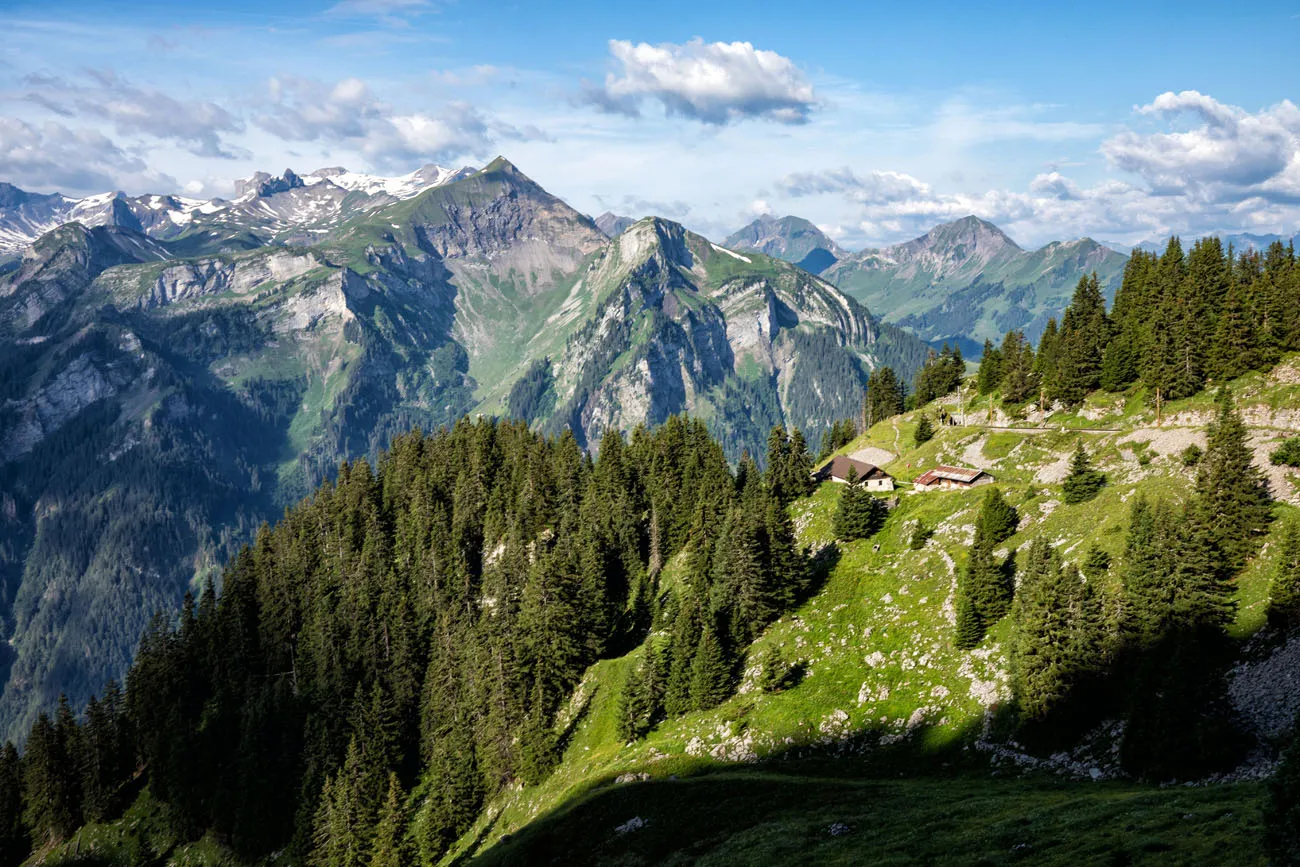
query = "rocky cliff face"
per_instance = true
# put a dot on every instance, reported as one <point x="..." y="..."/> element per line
<point x="689" y="326"/>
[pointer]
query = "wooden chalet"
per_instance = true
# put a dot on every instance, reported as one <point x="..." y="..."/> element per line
<point x="869" y="475"/>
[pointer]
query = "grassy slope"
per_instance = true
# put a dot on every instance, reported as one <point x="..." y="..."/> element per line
<point x="885" y="690"/>
<point x="877" y="643"/>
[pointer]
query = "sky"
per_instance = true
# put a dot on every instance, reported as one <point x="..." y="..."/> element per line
<point x="1119" y="121"/>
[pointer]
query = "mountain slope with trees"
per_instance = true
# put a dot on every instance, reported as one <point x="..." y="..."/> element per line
<point x="163" y="397"/>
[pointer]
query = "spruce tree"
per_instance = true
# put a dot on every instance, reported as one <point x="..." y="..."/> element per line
<point x="924" y="431"/>
<point x="14" y="843"/>
<point x="859" y="514"/>
<point x="1018" y="381"/>
<point x="990" y="372"/>
<point x="1231" y="492"/>
<point x="997" y="518"/>
<point x="1284" y="594"/>
<point x="390" y="848"/>
<point x="1084" y="482"/>
<point x="710" y="673"/>
<point x="1057" y="637"/>
<point x="970" y="629"/>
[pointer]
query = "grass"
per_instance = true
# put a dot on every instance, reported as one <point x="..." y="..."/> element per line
<point x="882" y="673"/>
<point x="774" y="817"/>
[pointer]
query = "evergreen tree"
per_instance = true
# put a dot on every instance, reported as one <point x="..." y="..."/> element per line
<point x="1231" y="492"/>
<point x="859" y="515"/>
<point x="710" y="673"/>
<point x="1047" y="359"/>
<point x="390" y="848"/>
<point x="1057" y="641"/>
<point x="970" y="629"/>
<point x="1284" y="594"/>
<point x="14" y="843"/>
<point x="1084" y="482"/>
<point x="997" y="518"/>
<point x="985" y="587"/>
<point x="924" y="431"/>
<point x="1084" y="334"/>
<point x="1018" y="381"/>
<point x="990" y="372"/>
<point x="884" y="397"/>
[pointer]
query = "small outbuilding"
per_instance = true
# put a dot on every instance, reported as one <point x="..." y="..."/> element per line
<point x="868" y="475"/>
<point x="951" y="479"/>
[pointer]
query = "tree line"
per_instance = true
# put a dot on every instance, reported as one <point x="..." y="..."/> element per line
<point x="1180" y="321"/>
<point x="399" y="647"/>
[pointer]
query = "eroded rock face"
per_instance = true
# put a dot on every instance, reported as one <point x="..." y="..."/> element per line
<point x="85" y="380"/>
<point x="194" y="279"/>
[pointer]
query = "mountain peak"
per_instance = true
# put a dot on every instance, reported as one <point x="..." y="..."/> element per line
<point x="613" y="224"/>
<point x="791" y="238"/>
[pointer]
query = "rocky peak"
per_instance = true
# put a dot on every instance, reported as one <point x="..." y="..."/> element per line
<point x="261" y="184"/>
<point x="950" y="247"/>
<point x="613" y="224"/>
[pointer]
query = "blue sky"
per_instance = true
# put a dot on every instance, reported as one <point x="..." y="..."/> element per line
<point x="1119" y="121"/>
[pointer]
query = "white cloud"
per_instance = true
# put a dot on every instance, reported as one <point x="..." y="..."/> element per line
<point x="716" y="83"/>
<point x="874" y="187"/>
<point x="347" y="113"/>
<point x="53" y="157"/>
<point x="200" y="125"/>
<point x="1230" y="155"/>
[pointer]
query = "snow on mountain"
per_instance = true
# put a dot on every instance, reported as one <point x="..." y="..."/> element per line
<point x="400" y="187"/>
<point x="288" y="207"/>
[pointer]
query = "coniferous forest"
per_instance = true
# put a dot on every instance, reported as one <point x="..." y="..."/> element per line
<point x="416" y="627"/>
<point x="400" y="649"/>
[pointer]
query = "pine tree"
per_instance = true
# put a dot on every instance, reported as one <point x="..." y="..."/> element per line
<point x="1058" y="633"/>
<point x="710" y="673"/>
<point x="1284" y="594"/>
<point x="859" y="515"/>
<point x="1018" y="381"/>
<point x="1231" y="491"/>
<point x="14" y="843"/>
<point x="1083" y="483"/>
<point x="1146" y="573"/>
<point x="997" y="518"/>
<point x="390" y="849"/>
<point x="970" y="630"/>
<point x="990" y="372"/>
<point x="924" y="430"/>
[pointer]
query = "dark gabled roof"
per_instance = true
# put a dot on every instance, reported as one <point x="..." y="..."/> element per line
<point x="838" y="468"/>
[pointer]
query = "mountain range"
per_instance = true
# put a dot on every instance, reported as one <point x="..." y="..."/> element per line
<point x="962" y="281"/>
<point x="166" y="391"/>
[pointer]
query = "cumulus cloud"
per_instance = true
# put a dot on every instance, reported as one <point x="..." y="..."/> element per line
<point x="1227" y="154"/>
<point x="348" y="113"/>
<point x="199" y="125"/>
<point x="51" y="156"/>
<point x="716" y="82"/>
<point x="1054" y="185"/>
<point x="1206" y="167"/>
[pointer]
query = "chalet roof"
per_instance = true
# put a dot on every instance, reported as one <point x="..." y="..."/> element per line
<point x="838" y="468"/>
<point x="960" y="475"/>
